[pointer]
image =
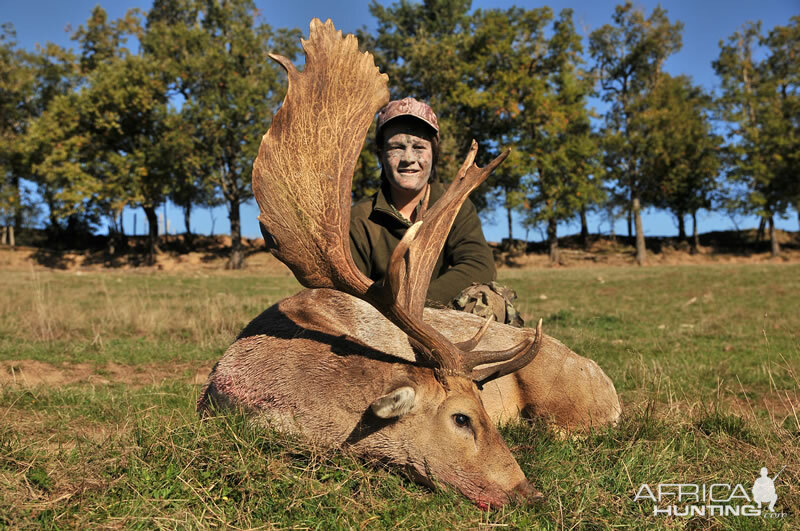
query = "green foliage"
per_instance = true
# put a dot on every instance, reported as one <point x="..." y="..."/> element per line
<point x="16" y="94"/>
<point x="681" y="152"/>
<point x="760" y="102"/>
<point x="563" y="152"/>
<point x="629" y="55"/>
<point x="101" y="146"/>
<point x="106" y="127"/>
<point x="214" y="55"/>
<point x="112" y="138"/>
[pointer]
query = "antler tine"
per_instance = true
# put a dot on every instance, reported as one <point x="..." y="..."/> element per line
<point x="529" y="348"/>
<point x="472" y="343"/>
<point x="482" y="357"/>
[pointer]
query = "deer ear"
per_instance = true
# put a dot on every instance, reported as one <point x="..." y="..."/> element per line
<point x="395" y="404"/>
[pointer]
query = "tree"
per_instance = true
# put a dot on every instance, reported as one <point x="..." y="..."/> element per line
<point x="190" y="165"/>
<point x="30" y="82"/>
<point x="16" y="93"/>
<point x="56" y="73"/>
<point x="101" y="147"/>
<point x="629" y="58"/>
<point x="561" y="145"/>
<point x="683" y="153"/>
<point x="760" y="101"/>
<point x="215" y="54"/>
<point x="783" y="67"/>
<point x="503" y="91"/>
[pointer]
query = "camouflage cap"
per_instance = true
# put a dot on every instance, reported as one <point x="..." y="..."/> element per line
<point x="408" y="107"/>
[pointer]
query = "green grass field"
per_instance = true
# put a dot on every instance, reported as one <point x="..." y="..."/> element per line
<point x="100" y="373"/>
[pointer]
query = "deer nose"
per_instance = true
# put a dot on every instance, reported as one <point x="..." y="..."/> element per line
<point x="525" y="492"/>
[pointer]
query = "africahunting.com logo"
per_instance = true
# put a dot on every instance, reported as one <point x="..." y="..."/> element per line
<point x="716" y="499"/>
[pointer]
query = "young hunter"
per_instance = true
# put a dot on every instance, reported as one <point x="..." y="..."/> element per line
<point x="407" y="141"/>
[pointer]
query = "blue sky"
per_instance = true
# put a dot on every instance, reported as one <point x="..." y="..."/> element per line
<point x="706" y="22"/>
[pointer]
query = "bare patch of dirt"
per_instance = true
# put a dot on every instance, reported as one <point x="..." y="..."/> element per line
<point x="32" y="373"/>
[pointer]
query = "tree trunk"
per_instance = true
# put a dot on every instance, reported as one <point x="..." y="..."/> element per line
<point x="641" y="252"/>
<point x="166" y="221"/>
<point x="681" y="227"/>
<point x="775" y="248"/>
<point x="630" y="221"/>
<point x="152" y="234"/>
<point x="11" y="241"/>
<point x="236" y="259"/>
<point x="116" y="236"/>
<point x="187" y="218"/>
<point x="55" y="227"/>
<point x="510" y="226"/>
<point x="695" y="234"/>
<point x="584" y="227"/>
<point x="187" y="221"/>
<point x="4" y="235"/>
<point x="123" y="235"/>
<point x="760" y="232"/>
<point x="18" y="210"/>
<point x="552" y="239"/>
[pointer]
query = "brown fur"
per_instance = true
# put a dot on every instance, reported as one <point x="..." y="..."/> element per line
<point x="313" y="363"/>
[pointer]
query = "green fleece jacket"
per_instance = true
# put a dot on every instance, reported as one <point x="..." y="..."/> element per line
<point x="376" y="228"/>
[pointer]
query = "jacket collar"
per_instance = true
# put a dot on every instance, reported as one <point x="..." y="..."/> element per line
<point x="382" y="204"/>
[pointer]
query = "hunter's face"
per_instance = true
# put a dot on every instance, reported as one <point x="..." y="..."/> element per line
<point x="407" y="156"/>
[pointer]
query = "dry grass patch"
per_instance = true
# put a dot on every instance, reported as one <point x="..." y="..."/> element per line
<point x="32" y="373"/>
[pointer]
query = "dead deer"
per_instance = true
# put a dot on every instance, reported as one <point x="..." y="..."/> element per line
<point x="364" y="365"/>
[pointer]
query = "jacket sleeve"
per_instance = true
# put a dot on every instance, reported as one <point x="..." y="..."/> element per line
<point x="467" y="255"/>
<point x="359" y="245"/>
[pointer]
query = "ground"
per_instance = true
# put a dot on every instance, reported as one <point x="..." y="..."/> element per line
<point x="100" y="367"/>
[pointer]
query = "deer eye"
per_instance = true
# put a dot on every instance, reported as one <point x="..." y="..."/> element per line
<point x="461" y="420"/>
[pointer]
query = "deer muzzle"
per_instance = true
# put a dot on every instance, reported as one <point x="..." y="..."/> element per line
<point x="524" y="492"/>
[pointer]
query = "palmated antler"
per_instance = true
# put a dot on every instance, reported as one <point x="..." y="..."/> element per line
<point x="302" y="180"/>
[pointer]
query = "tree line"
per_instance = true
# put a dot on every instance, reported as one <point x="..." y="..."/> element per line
<point x="94" y="129"/>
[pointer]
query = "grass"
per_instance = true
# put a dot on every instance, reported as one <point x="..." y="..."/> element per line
<point x="706" y="360"/>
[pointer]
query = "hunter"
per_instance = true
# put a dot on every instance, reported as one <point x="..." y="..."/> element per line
<point x="407" y="142"/>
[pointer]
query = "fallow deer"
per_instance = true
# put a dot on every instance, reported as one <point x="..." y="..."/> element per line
<point x="364" y="365"/>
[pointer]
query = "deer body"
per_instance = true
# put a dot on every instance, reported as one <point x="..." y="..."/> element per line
<point x="305" y="366"/>
<point x="314" y="363"/>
